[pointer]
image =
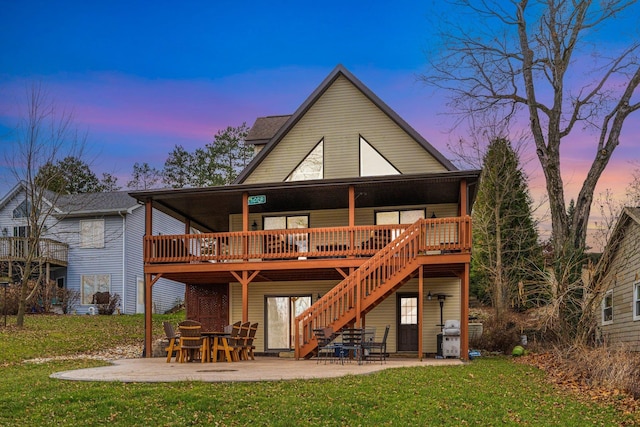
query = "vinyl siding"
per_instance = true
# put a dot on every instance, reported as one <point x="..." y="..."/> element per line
<point x="384" y="314"/>
<point x="165" y="293"/>
<point x="89" y="261"/>
<point x="340" y="217"/>
<point x="623" y="273"/>
<point x="339" y="117"/>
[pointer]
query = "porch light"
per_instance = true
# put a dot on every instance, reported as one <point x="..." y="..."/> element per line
<point x="429" y="297"/>
<point x="433" y="215"/>
<point x="254" y="226"/>
<point x="5" y="232"/>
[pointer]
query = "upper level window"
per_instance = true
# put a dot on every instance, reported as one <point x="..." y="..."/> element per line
<point x="312" y="167"/>
<point x="372" y="163"/>
<point x="636" y="301"/>
<point x="399" y="217"/>
<point x="607" y="308"/>
<point x="23" y="209"/>
<point x="92" y="233"/>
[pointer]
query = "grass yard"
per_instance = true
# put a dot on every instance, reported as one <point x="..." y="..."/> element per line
<point x="491" y="391"/>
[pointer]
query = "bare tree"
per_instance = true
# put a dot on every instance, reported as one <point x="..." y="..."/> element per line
<point x="530" y="56"/>
<point x="44" y="135"/>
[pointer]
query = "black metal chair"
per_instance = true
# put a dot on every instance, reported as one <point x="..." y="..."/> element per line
<point x="377" y="350"/>
<point x="351" y="344"/>
<point x="326" y="348"/>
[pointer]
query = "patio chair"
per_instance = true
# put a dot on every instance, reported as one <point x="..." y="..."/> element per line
<point x="190" y="340"/>
<point x="377" y="350"/>
<point x="351" y="344"/>
<point x="324" y="338"/>
<point x="174" y="341"/>
<point x="248" y="347"/>
<point x="237" y="339"/>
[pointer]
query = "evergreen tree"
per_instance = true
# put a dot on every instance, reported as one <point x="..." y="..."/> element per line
<point x="217" y="163"/>
<point x="507" y="256"/>
<point x="177" y="168"/>
<point x="71" y="175"/>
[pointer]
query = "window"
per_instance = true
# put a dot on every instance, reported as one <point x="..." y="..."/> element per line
<point x="312" y="167"/>
<point x="289" y="222"/>
<point x="22" y="231"/>
<point x="372" y="163"/>
<point x="280" y="316"/>
<point x="636" y="301"/>
<point x="399" y="217"/>
<point x="92" y="283"/>
<point x="607" y="308"/>
<point x="92" y="233"/>
<point x="23" y="209"/>
<point x="409" y="311"/>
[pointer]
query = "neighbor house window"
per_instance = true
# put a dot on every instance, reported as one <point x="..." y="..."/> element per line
<point x="636" y="301"/>
<point x="23" y="209"/>
<point x="92" y="233"/>
<point x="92" y="283"/>
<point x="607" y="308"/>
<point x="312" y="167"/>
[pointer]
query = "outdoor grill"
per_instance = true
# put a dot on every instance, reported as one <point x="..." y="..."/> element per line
<point x="451" y="338"/>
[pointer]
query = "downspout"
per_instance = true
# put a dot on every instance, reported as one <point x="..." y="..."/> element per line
<point x="124" y="292"/>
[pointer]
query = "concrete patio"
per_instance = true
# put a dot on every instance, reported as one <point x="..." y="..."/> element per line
<point x="261" y="369"/>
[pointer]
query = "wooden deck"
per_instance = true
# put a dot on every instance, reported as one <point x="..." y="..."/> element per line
<point x="441" y="235"/>
<point x="19" y="249"/>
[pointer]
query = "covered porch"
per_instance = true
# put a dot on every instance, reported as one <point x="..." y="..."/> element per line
<point x="224" y="242"/>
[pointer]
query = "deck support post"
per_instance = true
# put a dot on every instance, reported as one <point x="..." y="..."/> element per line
<point x="352" y="216"/>
<point x="245" y="225"/>
<point x="148" y="302"/>
<point x="464" y="313"/>
<point x="244" y="279"/>
<point x="148" y="320"/>
<point x="420" y="310"/>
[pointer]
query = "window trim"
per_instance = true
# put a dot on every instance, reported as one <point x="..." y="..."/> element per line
<point x="608" y="294"/>
<point x="636" y="301"/>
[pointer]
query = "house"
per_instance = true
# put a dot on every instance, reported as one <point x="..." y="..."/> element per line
<point x="90" y="243"/>
<point x="345" y="216"/>
<point x="619" y="273"/>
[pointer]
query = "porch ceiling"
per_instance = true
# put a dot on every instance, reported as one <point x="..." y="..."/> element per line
<point x="209" y="208"/>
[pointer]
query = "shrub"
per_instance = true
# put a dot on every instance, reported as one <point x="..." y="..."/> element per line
<point x="499" y="335"/>
<point x="110" y="306"/>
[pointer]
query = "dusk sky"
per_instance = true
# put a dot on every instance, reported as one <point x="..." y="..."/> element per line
<point x="142" y="77"/>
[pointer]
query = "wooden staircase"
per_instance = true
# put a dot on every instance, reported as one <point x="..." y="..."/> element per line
<point x="365" y="288"/>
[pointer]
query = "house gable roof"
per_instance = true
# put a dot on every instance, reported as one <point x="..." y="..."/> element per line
<point x="628" y="216"/>
<point x="82" y="204"/>
<point x="97" y="203"/>
<point x="292" y="120"/>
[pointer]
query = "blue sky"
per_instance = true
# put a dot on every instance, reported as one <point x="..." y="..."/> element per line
<point x="142" y="77"/>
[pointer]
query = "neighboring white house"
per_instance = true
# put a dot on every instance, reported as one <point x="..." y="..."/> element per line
<point x="619" y="269"/>
<point x="99" y="239"/>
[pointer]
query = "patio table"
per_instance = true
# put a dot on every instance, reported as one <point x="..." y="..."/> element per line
<point x="216" y="341"/>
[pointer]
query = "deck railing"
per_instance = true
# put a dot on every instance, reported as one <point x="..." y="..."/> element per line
<point x="20" y="249"/>
<point x="440" y="234"/>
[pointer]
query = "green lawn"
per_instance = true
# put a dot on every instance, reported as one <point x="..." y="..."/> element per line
<point x="491" y="391"/>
